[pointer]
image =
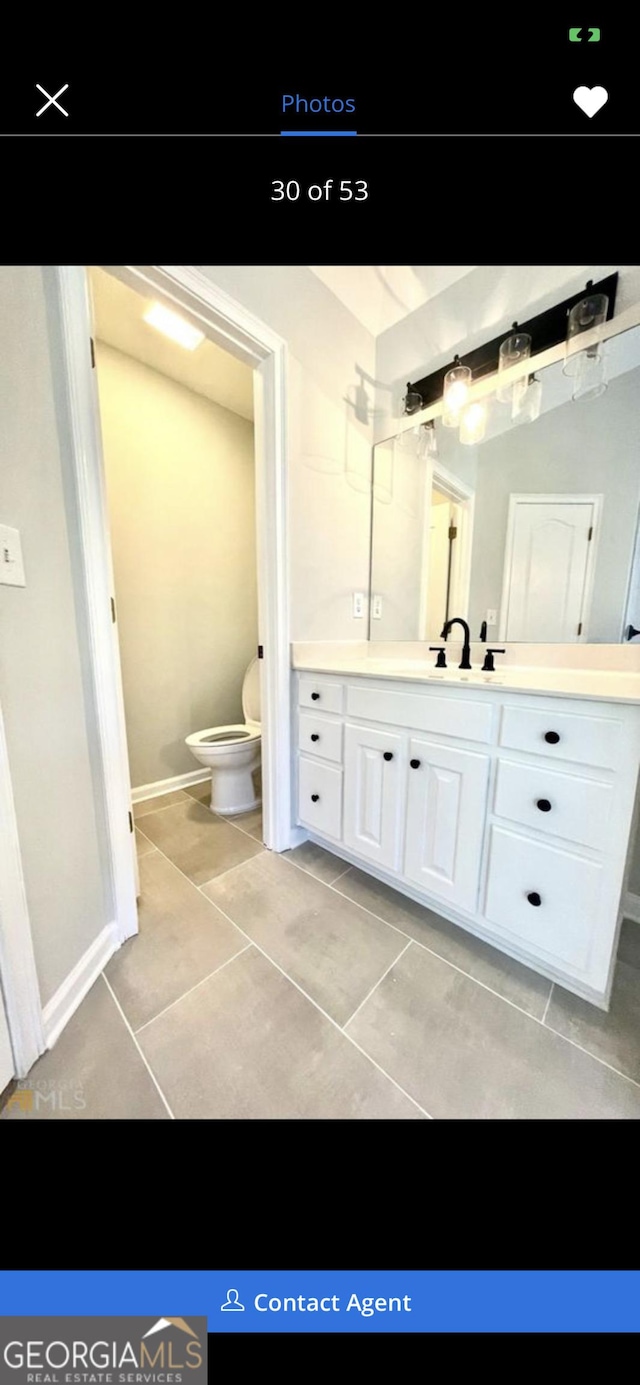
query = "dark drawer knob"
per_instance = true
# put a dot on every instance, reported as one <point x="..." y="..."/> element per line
<point x="315" y="797"/>
<point x="388" y="755"/>
<point x="415" y="764"/>
<point x="534" y="898"/>
<point x="552" y="737"/>
<point x="315" y="736"/>
<point x="544" y="805"/>
<point x="315" y="697"/>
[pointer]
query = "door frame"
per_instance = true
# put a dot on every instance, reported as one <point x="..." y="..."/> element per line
<point x="235" y="329"/>
<point x="446" y="481"/>
<point x="560" y="498"/>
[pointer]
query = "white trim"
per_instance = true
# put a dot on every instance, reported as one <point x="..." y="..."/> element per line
<point x="631" y="907"/>
<point x="18" y="978"/>
<point x="58" y="1011"/>
<point x="463" y="495"/>
<point x="160" y="786"/>
<point x="96" y="576"/>
<point x="233" y="327"/>
<point x="557" y="498"/>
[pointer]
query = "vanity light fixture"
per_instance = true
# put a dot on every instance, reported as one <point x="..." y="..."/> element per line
<point x="473" y="423"/>
<point x="457" y="383"/>
<point x="173" y="326"/>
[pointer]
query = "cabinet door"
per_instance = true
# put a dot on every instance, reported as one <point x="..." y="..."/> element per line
<point x="373" y="770"/>
<point x="445" y="821"/>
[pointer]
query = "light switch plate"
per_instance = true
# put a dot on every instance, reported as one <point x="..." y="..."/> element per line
<point x="376" y="608"/>
<point x="11" y="564"/>
<point x="358" y="605"/>
<point x="492" y="617"/>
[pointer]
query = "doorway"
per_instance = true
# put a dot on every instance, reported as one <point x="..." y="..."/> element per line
<point x="549" y="568"/>
<point x="176" y="415"/>
<point x="226" y="323"/>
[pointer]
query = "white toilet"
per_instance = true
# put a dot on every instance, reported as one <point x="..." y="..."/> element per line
<point x="232" y="753"/>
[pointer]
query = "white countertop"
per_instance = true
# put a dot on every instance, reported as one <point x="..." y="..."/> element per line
<point x="601" y="685"/>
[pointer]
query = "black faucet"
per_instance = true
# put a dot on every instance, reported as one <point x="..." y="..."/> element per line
<point x="466" y="649"/>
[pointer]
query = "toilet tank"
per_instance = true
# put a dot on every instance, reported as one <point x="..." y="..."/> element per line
<point x="251" y="709"/>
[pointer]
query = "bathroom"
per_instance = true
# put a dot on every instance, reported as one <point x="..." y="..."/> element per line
<point x="176" y="418"/>
<point x="439" y="915"/>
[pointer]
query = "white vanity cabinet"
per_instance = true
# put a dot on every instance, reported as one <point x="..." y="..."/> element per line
<point x="508" y="813"/>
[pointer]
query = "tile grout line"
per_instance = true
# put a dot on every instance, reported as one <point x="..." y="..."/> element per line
<point x="338" y="877"/>
<point x="253" y="943"/>
<point x="190" y="990"/>
<point x="188" y="798"/>
<point x="327" y="1016"/>
<point x="128" y="1027"/>
<point x="224" y="873"/>
<point x="603" y="1062"/>
<point x="546" y="1008"/>
<point x="437" y="955"/>
<point x="377" y="983"/>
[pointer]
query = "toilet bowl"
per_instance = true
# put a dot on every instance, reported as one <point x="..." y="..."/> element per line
<point x="232" y="753"/>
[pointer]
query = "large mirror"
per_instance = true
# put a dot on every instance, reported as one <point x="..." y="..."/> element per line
<point x="530" y="534"/>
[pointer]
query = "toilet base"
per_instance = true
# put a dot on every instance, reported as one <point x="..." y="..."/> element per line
<point x="233" y="791"/>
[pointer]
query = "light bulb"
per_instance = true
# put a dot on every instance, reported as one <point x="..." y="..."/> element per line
<point x="457" y="383"/>
<point x="473" y="424"/>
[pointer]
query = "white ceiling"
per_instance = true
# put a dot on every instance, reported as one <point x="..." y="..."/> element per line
<point x="208" y="370"/>
<point x="380" y="295"/>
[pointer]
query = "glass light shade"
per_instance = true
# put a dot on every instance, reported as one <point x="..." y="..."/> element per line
<point x="457" y="383"/>
<point x="589" y="313"/>
<point x="515" y="349"/>
<point x="412" y="402"/>
<point x="527" y="406"/>
<point x="589" y="380"/>
<point x="428" y="442"/>
<point x="473" y="424"/>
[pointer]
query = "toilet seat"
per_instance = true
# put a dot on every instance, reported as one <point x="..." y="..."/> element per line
<point x="238" y="734"/>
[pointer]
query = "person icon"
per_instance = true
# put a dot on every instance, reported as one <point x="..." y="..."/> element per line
<point x="232" y="1303"/>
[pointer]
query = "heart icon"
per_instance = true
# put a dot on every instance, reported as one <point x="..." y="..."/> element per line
<point x="590" y="99"/>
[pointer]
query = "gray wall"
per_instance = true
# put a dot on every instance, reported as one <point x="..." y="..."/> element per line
<point x="41" y="674"/>
<point x="587" y="447"/>
<point x="180" y="481"/>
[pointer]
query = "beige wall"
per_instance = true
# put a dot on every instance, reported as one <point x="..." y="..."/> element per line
<point x="42" y="692"/>
<point x="180" y="481"/>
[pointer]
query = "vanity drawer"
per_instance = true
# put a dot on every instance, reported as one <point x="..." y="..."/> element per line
<point x="465" y="718"/>
<point x="323" y="697"/>
<point x="561" y="926"/>
<point x="320" y="736"/>
<point x="587" y="740"/>
<point x="320" y="797"/>
<point x="563" y="804"/>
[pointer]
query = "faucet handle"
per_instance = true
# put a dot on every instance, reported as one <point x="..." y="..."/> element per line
<point x="488" y="665"/>
<point x="441" y="661"/>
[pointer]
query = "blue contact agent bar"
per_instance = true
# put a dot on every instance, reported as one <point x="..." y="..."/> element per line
<point x="589" y="1301"/>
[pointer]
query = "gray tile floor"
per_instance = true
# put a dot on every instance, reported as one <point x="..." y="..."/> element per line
<point x="295" y="986"/>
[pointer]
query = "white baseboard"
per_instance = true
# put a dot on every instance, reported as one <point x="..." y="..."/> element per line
<point x="58" y="1011"/>
<point x="298" y="836"/>
<point x="632" y="907"/>
<point x="179" y="781"/>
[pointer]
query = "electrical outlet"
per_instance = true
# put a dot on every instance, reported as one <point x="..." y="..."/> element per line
<point x="376" y="608"/>
<point x="358" y="605"/>
<point x="11" y="564"/>
<point x="492" y="617"/>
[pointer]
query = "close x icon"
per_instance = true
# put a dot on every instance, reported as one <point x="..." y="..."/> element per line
<point x="584" y="35"/>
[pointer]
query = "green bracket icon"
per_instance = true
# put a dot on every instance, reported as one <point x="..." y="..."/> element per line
<point x="576" y="35"/>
